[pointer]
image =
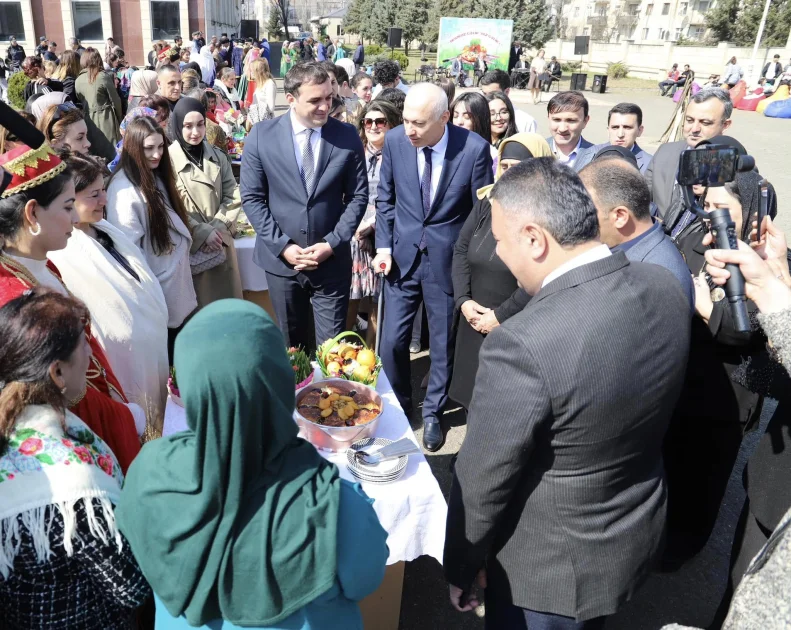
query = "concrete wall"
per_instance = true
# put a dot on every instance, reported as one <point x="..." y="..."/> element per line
<point x="652" y="61"/>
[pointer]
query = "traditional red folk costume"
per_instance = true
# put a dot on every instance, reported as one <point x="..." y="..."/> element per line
<point x="102" y="407"/>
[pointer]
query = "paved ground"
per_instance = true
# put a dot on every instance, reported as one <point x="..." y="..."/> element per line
<point x="692" y="594"/>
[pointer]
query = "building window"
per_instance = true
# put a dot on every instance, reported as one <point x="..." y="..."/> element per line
<point x="696" y="32"/>
<point x="338" y="30"/>
<point x="649" y="9"/>
<point x="576" y="11"/>
<point x="586" y="31"/>
<point x="165" y="19"/>
<point x="11" y="21"/>
<point x="679" y="34"/>
<point x="662" y="34"/>
<point x="665" y="8"/>
<point x="682" y="8"/>
<point x="703" y="6"/>
<point x="645" y="34"/>
<point x="87" y="21"/>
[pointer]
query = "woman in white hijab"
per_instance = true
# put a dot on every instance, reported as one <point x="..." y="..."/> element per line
<point x="206" y="62"/>
<point x="42" y="103"/>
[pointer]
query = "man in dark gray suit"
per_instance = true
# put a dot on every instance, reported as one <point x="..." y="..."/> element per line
<point x="708" y="114"/>
<point x="623" y="204"/>
<point x="559" y="496"/>
<point x="305" y="190"/>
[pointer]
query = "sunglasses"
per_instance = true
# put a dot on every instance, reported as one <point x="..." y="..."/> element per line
<point x="61" y="109"/>
<point x="381" y="123"/>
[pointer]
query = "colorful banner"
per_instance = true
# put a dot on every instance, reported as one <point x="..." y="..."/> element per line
<point x="470" y="36"/>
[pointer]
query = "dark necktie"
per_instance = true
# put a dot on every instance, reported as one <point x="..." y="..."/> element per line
<point x="307" y="163"/>
<point x="425" y="192"/>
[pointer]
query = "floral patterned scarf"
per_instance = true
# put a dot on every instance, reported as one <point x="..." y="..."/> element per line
<point x="47" y="465"/>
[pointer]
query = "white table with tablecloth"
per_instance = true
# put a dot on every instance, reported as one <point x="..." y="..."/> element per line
<point x="253" y="277"/>
<point x="412" y="510"/>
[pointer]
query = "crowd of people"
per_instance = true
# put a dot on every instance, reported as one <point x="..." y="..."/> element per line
<point x="574" y="311"/>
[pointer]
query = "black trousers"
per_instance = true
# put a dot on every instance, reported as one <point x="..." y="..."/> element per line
<point x="311" y="309"/>
<point x="501" y="615"/>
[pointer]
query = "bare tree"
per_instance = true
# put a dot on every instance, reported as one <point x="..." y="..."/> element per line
<point x="282" y="7"/>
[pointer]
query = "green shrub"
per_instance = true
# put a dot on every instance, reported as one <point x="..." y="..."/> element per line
<point x="373" y="50"/>
<point x="16" y="89"/>
<point x="571" y="66"/>
<point x="617" y="70"/>
<point x="401" y="58"/>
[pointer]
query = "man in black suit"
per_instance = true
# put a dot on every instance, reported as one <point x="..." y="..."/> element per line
<point x="559" y="495"/>
<point x="430" y="174"/>
<point x="305" y="189"/>
<point x="513" y="57"/>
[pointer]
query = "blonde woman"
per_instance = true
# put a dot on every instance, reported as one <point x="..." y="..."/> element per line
<point x="68" y="71"/>
<point x="537" y="70"/>
<point x="263" y="105"/>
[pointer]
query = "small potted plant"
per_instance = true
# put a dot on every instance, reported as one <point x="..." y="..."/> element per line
<point x="300" y="363"/>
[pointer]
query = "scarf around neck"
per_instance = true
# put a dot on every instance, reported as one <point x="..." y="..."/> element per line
<point x="236" y="517"/>
<point x="45" y="465"/>
<point x="187" y="105"/>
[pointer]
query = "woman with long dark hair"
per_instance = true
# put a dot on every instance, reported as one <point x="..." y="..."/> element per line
<point x="108" y="272"/>
<point x="63" y="561"/>
<point x="501" y="112"/>
<point x="471" y="111"/>
<point x="144" y="203"/>
<point x="37" y="217"/>
<point x="100" y="101"/>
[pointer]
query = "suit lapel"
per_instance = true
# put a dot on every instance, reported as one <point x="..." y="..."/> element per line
<point x="453" y="156"/>
<point x="327" y="134"/>
<point x="287" y="142"/>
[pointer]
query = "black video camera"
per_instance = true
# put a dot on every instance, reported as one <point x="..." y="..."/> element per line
<point x="713" y="165"/>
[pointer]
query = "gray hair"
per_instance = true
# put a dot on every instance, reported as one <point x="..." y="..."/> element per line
<point x="708" y="93"/>
<point x="552" y="195"/>
<point x="432" y="94"/>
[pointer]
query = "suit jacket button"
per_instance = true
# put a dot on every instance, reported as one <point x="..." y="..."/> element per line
<point x="303" y="231"/>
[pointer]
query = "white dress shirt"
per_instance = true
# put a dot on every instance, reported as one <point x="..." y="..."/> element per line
<point x="299" y="135"/>
<point x="525" y="123"/>
<point x="592" y="255"/>
<point x="569" y="159"/>
<point x="437" y="164"/>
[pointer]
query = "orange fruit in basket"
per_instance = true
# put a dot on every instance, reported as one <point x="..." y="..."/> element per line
<point x="367" y="358"/>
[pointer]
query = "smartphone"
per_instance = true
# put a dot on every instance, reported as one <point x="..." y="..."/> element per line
<point x="710" y="165"/>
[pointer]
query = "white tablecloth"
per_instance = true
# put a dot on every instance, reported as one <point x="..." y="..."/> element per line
<point x="253" y="277"/>
<point x="412" y="510"/>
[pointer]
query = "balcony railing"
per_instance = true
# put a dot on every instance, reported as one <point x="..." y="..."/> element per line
<point x="628" y="20"/>
<point x="597" y="20"/>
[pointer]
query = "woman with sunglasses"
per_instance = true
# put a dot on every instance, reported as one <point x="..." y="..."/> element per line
<point x="210" y="194"/>
<point x="143" y="202"/>
<point x="377" y="118"/>
<point x="64" y="127"/>
<point x="503" y="119"/>
<point x="37" y="217"/>
<point x="108" y="272"/>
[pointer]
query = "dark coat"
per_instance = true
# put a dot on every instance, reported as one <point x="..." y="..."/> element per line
<point x="559" y="490"/>
<point x="400" y="222"/>
<point x="277" y="206"/>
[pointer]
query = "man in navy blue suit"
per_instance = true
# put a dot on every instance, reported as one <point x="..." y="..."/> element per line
<point x="305" y="190"/>
<point x="429" y="177"/>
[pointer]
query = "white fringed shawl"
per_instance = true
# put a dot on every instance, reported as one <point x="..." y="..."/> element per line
<point x="47" y="466"/>
<point x="128" y="318"/>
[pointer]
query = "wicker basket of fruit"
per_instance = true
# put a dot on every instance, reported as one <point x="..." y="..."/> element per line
<point x="348" y="357"/>
<point x="300" y="363"/>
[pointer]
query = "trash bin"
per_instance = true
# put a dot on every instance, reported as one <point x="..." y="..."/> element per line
<point x="599" y="83"/>
<point x="578" y="81"/>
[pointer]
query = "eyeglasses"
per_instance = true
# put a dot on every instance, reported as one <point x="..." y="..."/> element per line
<point x="381" y="123"/>
<point x="504" y="114"/>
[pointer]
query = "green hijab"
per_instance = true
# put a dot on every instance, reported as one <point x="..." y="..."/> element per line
<point x="235" y="518"/>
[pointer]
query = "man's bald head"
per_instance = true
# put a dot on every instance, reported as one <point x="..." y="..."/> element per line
<point x="425" y="114"/>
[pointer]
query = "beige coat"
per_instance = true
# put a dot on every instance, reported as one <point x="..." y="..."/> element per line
<point x="211" y="197"/>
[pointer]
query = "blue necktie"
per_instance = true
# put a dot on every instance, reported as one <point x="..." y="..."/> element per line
<point x="425" y="192"/>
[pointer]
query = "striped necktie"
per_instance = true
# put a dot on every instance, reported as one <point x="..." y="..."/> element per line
<point x="307" y="163"/>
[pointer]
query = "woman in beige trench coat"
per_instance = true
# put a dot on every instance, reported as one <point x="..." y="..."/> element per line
<point x="209" y="191"/>
<point x="100" y="101"/>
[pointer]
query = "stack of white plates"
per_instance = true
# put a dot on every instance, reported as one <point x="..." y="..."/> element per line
<point x="385" y="472"/>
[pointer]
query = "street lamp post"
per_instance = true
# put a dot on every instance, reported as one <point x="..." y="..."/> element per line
<point x="753" y="71"/>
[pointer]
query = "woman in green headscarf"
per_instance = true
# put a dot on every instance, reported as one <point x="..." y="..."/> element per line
<point x="482" y="284"/>
<point x="237" y="520"/>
